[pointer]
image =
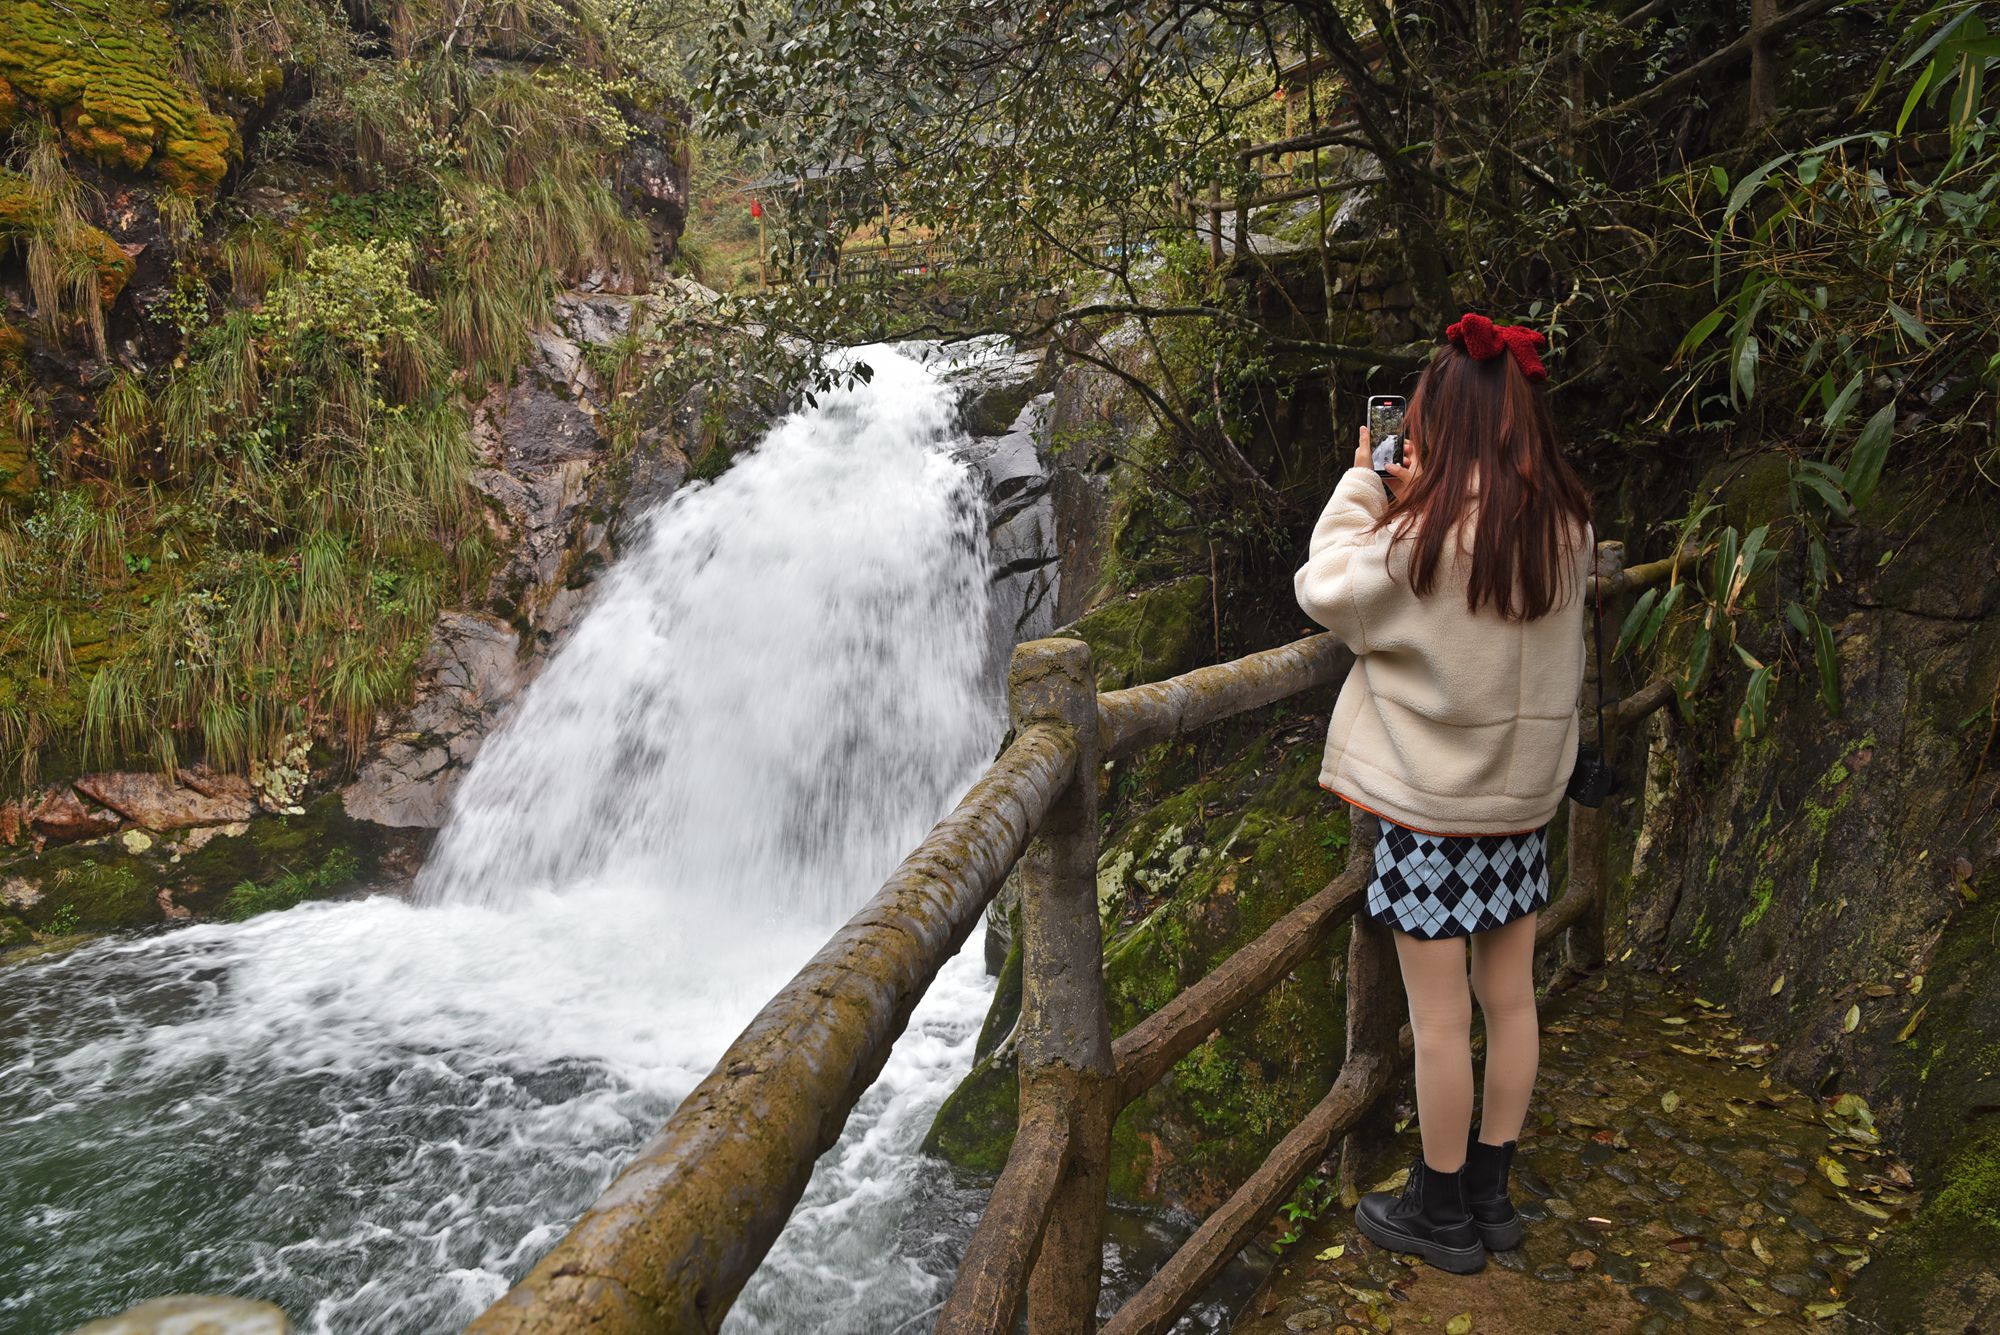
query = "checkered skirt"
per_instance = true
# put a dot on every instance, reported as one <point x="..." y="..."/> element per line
<point x="1441" y="885"/>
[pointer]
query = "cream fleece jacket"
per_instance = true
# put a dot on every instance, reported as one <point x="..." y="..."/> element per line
<point x="1450" y="722"/>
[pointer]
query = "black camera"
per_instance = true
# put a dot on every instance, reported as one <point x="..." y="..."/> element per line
<point x="1592" y="780"/>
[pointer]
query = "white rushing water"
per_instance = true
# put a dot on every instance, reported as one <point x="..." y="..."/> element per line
<point x="378" y="1112"/>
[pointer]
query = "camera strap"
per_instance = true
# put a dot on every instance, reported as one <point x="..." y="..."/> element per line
<point x="1597" y="629"/>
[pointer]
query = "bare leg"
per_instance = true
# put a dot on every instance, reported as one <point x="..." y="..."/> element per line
<point x="1503" y="976"/>
<point x="1441" y="1023"/>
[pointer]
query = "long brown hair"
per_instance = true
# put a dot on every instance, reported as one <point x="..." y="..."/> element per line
<point x="1483" y="426"/>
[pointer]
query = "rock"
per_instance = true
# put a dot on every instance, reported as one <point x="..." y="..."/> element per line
<point x="61" y="815"/>
<point x="210" y="783"/>
<point x="136" y="841"/>
<point x="165" y="899"/>
<point x="466" y="679"/>
<point x="653" y="174"/>
<point x="13" y="821"/>
<point x="158" y="803"/>
<point x="18" y="892"/>
<point x="182" y="1315"/>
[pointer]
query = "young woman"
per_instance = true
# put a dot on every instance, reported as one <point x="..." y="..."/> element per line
<point x="1461" y="591"/>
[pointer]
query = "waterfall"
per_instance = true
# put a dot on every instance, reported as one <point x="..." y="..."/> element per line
<point x="379" y="1112"/>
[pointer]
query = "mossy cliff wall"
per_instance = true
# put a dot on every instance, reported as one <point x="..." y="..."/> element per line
<point x="1836" y="880"/>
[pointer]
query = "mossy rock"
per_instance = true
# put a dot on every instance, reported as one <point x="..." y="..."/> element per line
<point x="107" y="70"/>
<point x="117" y="883"/>
<point x="1149" y="635"/>
<point x="24" y="212"/>
<point x="1938" y="1272"/>
<point x="1184" y="885"/>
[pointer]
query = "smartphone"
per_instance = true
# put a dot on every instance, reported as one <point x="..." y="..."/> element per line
<point x="1385" y="429"/>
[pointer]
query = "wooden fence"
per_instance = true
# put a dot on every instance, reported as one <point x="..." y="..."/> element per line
<point x="673" y="1239"/>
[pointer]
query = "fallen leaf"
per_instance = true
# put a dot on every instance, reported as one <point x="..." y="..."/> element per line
<point x="1778" y="986"/>
<point x="1879" y="990"/>
<point x="1853" y="1020"/>
<point x="1672" y="1019"/>
<point x="1821" y="1311"/>
<point x="1916" y="985"/>
<point x="1910" y="1025"/>
<point x="1669" y="1101"/>
<point x="1333" y="1253"/>
<point x="1759" y="1250"/>
<point x="1835" y="1173"/>
<point x="1459" y="1325"/>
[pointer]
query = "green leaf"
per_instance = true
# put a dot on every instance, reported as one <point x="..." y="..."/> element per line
<point x="1871" y="450"/>
<point x="1843" y="403"/>
<point x="1659" y="618"/>
<point x="1634" y="619"/>
<point x="1702" y="329"/>
<point x="1916" y="93"/>
<point x="1727" y="545"/>
<point x="1748" y="186"/>
<point x="1919" y="332"/>
<point x="1826" y="490"/>
<point x="1756" y="704"/>
<point x="1746" y="366"/>
<point x="1720" y="178"/>
<point x="1829" y="665"/>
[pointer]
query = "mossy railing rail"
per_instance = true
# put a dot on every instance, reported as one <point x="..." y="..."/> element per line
<point x="670" y="1243"/>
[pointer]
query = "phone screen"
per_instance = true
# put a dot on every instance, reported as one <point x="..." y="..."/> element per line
<point x="1385" y="429"/>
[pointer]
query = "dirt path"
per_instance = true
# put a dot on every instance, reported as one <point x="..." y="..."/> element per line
<point x="1669" y="1184"/>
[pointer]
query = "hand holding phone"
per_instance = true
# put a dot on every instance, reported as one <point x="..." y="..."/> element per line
<point x="1385" y="431"/>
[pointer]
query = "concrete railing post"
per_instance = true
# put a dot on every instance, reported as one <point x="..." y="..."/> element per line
<point x="1065" y="1047"/>
<point x="1584" y="948"/>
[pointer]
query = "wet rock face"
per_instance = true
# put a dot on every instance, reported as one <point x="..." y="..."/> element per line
<point x="469" y="675"/>
<point x="1839" y="880"/>
<point x="654" y="175"/>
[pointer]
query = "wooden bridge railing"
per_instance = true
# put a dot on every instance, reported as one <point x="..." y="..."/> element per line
<point x="670" y="1243"/>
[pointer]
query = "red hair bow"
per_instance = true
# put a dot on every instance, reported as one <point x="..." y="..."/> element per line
<point x="1483" y="340"/>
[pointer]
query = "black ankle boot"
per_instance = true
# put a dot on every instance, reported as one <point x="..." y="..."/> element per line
<point x="1486" y="1168"/>
<point x="1429" y="1219"/>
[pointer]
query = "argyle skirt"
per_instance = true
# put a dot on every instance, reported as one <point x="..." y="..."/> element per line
<point x="1442" y="885"/>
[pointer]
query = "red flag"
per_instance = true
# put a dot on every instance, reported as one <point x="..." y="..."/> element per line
<point x="756" y="209"/>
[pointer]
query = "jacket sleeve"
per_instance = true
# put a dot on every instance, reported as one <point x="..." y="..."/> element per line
<point x="1333" y="587"/>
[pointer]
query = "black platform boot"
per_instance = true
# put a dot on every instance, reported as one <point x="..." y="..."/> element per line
<point x="1486" y="1168"/>
<point x="1429" y="1219"/>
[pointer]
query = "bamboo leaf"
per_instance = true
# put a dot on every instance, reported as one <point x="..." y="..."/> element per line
<point x="1746" y="366"/>
<point x="1634" y="619"/>
<point x="1703" y="327"/>
<point x="1871" y="450"/>
<point x="1829" y="665"/>
<point x="1919" y="332"/>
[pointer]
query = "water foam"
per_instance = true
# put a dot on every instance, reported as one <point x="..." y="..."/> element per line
<point x="380" y="1112"/>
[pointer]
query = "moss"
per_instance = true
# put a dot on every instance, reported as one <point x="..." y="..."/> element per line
<point x="1957" y="1228"/>
<point x="107" y="68"/>
<point x="276" y="862"/>
<point x="288" y="889"/>
<point x="24" y="212"/>
<point x="974" y="1128"/>
<point x="1201" y="873"/>
<point x="1760" y="902"/>
<point x="1149" y="635"/>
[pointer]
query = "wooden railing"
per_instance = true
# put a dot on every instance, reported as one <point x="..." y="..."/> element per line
<point x="671" y="1242"/>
